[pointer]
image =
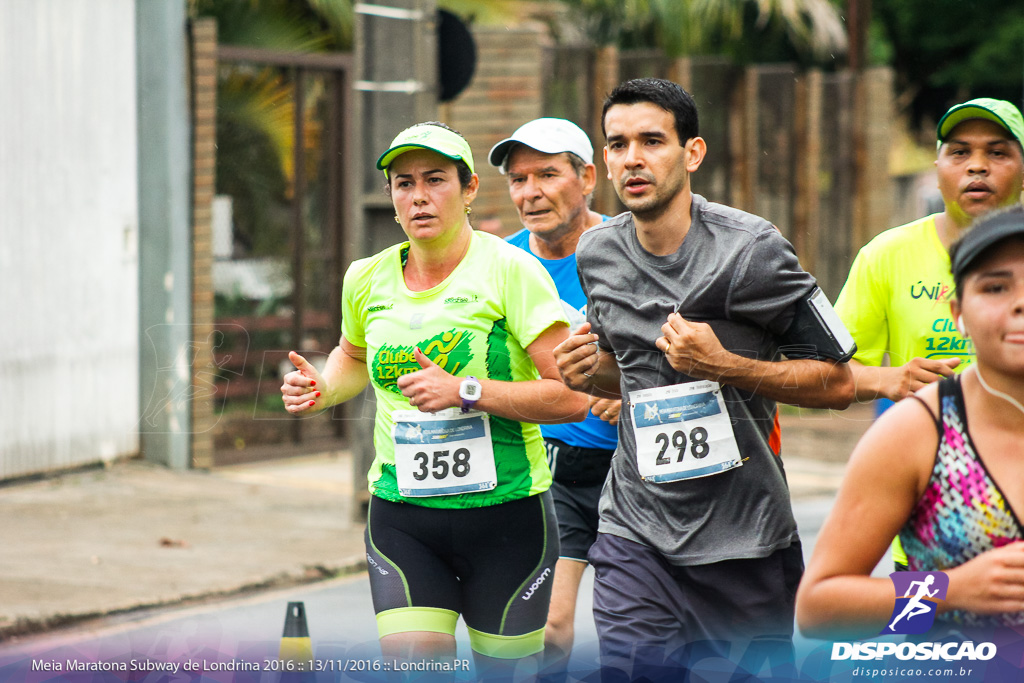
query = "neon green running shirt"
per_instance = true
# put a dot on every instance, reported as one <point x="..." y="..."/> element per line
<point x="896" y="299"/>
<point x="477" y="322"/>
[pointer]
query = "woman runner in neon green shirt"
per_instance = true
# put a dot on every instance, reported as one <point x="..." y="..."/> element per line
<point x="455" y="330"/>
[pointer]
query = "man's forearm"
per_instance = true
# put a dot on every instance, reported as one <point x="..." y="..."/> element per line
<point x="870" y="382"/>
<point x="800" y="382"/>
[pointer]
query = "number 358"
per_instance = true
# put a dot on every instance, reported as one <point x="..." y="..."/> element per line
<point x="440" y="469"/>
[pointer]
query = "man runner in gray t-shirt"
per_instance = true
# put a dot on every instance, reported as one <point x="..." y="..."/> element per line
<point x="691" y="306"/>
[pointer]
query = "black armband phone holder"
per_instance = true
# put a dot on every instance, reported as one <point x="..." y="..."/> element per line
<point x="817" y="332"/>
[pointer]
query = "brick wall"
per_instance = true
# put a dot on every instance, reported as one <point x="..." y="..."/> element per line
<point x="506" y="92"/>
<point x="204" y="101"/>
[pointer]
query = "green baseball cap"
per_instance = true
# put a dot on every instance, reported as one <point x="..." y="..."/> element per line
<point x="997" y="111"/>
<point x="427" y="136"/>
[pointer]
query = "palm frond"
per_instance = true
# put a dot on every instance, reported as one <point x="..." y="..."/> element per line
<point x="261" y="102"/>
<point x="340" y="19"/>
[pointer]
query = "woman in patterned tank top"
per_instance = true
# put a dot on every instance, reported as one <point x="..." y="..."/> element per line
<point x="944" y="469"/>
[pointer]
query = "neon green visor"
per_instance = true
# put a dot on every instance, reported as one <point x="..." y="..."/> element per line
<point x="426" y="136"/>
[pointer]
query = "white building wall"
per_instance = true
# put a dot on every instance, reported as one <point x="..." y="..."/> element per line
<point x="69" y="299"/>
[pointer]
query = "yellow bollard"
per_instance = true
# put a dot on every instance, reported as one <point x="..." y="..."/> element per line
<point x="296" y="646"/>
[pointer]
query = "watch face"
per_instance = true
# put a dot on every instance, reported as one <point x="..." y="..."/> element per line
<point x="469" y="389"/>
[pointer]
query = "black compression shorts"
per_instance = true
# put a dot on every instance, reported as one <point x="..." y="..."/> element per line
<point x="493" y="565"/>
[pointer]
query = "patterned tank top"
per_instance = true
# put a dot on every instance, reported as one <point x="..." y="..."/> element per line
<point x="962" y="512"/>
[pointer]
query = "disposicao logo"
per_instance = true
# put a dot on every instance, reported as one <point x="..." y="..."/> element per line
<point x="917" y="599"/>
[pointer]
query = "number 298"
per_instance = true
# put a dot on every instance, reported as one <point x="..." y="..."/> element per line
<point x="697" y="441"/>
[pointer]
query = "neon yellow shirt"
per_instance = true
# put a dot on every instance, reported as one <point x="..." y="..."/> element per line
<point x="477" y="322"/>
<point x="896" y="299"/>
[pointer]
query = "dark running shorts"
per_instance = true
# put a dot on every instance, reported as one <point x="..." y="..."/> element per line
<point x="493" y="565"/>
<point x="642" y="603"/>
<point x="576" y="509"/>
<point x="576" y="466"/>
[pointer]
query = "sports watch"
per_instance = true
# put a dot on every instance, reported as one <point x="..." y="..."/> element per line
<point x="469" y="392"/>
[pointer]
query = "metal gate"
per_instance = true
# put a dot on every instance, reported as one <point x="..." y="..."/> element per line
<point x="279" y="253"/>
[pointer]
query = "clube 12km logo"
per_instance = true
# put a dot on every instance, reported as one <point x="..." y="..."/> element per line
<point x="917" y="599"/>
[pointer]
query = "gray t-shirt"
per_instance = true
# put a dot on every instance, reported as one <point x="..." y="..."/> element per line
<point x="737" y="273"/>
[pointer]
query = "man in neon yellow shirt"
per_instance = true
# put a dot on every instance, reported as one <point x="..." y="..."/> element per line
<point x="896" y="299"/>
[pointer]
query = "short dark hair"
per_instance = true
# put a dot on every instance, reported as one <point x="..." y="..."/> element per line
<point x="665" y="94"/>
<point x="461" y="167"/>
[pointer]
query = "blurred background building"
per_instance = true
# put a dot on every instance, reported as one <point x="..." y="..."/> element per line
<point x="185" y="181"/>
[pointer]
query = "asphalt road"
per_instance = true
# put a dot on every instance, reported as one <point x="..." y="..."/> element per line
<point x="248" y="630"/>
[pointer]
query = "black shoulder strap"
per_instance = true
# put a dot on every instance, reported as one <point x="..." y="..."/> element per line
<point x="935" y="419"/>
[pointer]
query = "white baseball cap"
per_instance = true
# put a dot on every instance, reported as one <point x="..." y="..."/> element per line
<point x="547" y="135"/>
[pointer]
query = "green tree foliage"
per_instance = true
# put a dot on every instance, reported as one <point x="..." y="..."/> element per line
<point x="254" y="144"/>
<point x="255" y="108"/>
<point x="808" y="31"/>
<point x="947" y="51"/>
<point x="293" y="25"/>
